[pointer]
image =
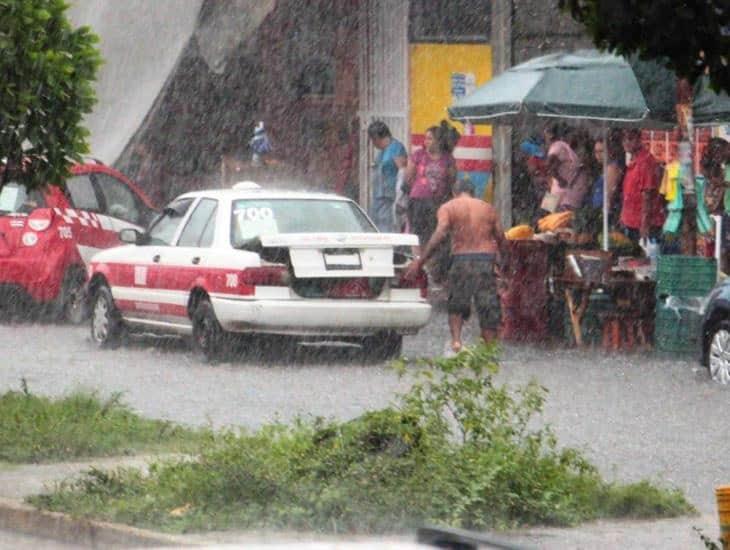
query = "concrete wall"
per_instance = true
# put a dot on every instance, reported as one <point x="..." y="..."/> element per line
<point x="140" y="43"/>
<point x="539" y="27"/>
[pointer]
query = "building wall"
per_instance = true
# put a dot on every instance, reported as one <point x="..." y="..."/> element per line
<point x="539" y="27"/>
<point x="433" y="68"/>
<point x="307" y="89"/>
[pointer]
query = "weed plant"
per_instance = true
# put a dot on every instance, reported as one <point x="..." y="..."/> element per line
<point x="35" y="428"/>
<point x="456" y="449"/>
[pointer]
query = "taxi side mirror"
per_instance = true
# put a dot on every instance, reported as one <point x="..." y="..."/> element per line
<point x="130" y="236"/>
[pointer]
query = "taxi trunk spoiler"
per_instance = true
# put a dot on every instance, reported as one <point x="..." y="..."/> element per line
<point x="339" y="240"/>
<point x="336" y="255"/>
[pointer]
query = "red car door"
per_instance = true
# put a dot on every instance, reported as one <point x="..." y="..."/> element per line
<point x="82" y="216"/>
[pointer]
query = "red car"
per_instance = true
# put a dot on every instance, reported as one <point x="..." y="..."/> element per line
<point x="48" y="236"/>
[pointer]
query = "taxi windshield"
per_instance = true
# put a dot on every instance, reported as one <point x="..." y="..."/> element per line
<point x="14" y="198"/>
<point x="251" y="218"/>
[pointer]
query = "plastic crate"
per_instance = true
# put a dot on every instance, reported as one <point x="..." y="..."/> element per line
<point x="677" y="330"/>
<point x="685" y="276"/>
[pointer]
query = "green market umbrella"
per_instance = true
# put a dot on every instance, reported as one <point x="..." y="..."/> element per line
<point x="587" y="87"/>
<point x="709" y="108"/>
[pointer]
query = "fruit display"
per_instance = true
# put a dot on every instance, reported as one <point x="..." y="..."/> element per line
<point x="519" y="232"/>
<point x="552" y="222"/>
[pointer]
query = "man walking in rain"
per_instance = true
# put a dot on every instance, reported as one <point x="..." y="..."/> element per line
<point x="388" y="175"/>
<point x="478" y="246"/>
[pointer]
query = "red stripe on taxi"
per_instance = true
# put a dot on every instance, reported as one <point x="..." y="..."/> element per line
<point x="167" y="277"/>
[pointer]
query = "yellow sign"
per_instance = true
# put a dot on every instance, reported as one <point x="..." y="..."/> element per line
<point x="432" y="67"/>
<point x="439" y="74"/>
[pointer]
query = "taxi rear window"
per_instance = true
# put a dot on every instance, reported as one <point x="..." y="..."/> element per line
<point x="15" y="198"/>
<point x="251" y="218"/>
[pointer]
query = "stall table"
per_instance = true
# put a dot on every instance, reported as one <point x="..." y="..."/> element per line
<point x="633" y="311"/>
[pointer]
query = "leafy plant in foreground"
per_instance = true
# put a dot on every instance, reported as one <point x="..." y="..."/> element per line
<point x="456" y="449"/>
<point x="35" y="428"/>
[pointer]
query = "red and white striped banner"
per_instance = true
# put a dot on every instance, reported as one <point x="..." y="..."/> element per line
<point x="472" y="153"/>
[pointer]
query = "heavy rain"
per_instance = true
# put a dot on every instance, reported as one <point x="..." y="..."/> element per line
<point x="364" y="273"/>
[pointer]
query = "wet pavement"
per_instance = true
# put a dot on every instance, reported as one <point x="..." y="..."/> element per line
<point x="635" y="415"/>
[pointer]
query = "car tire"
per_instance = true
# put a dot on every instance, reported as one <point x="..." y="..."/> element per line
<point x="382" y="346"/>
<point x="210" y="341"/>
<point x="718" y="352"/>
<point x="72" y="304"/>
<point x="106" y="321"/>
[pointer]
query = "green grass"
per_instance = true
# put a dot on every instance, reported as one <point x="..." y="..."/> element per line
<point x="35" y="428"/>
<point x="456" y="450"/>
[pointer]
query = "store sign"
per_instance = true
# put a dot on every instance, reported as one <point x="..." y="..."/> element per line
<point x="462" y="84"/>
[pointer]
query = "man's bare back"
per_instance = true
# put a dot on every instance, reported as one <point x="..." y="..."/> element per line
<point x="477" y="246"/>
<point x="472" y="224"/>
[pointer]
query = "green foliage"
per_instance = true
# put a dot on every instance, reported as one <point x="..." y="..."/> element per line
<point x="457" y="449"/>
<point x="34" y="428"/>
<point x="48" y="71"/>
<point x="694" y="37"/>
<point x="642" y="500"/>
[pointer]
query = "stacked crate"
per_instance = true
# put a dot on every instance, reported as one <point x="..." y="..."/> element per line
<point x="681" y="282"/>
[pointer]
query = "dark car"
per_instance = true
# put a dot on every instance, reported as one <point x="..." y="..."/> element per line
<point x="716" y="333"/>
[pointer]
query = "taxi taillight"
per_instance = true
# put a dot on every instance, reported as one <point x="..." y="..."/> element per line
<point x="269" y="275"/>
<point x="40" y="219"/>
<point x="419" y="280"/>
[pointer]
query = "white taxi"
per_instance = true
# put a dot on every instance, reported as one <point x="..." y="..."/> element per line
<point x="247" y="260"/>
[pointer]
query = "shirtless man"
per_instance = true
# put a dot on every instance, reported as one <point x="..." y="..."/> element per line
<point x="477" y="242"/>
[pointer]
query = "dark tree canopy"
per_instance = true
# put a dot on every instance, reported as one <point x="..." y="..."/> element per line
<point x="48" y="69"/>
<point x="693" y="36"/>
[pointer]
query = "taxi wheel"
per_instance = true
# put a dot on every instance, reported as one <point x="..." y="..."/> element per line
<point x="73" y="306"/>
<point x="383" y="346"/>
<point x="106" y="322"/>
<point x="209" y="338"/>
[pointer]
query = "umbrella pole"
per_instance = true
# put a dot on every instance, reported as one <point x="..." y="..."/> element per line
<point x="605" y="188"/>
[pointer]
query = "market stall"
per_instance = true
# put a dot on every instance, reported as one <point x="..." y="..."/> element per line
<point x="562" y="286"/>
<point x="614" y="286"/>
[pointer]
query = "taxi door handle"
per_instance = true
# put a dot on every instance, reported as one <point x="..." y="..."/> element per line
<point x="156" y="258"/>
<point x="196" y="260"/>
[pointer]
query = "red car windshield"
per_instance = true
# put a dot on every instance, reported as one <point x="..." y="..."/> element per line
<point x="14" y="198"/>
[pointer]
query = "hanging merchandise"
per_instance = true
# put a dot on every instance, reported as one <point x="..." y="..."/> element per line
<point x="671" y="189"/>
<point x="705" y="224"/>
<point x="675" y="175"/>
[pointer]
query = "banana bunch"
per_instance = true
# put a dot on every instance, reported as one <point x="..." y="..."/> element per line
<point x="519" y="232"/>
<point x="551" y="222"/>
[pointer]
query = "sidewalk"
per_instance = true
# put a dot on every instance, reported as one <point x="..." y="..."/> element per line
<point x="19" y="481"/>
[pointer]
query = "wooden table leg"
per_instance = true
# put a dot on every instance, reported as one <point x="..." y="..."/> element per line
<point x="576" y="312"/>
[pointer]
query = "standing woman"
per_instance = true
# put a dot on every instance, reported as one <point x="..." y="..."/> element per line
<point x="569" y="179"/>
<point x="431" y="173"/>
<point x="388" y="175"/>
<point x="615" y="168"/>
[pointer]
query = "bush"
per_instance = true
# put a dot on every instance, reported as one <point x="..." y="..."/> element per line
<point x="35" y="428"/>
<point x="48" y="69"/>
<point x="457" y="449"/>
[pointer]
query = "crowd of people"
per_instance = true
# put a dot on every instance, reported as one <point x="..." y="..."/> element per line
<point x="641" y="193"/>
<point x="568" y="169"/>
<point x="461" y="240"/>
